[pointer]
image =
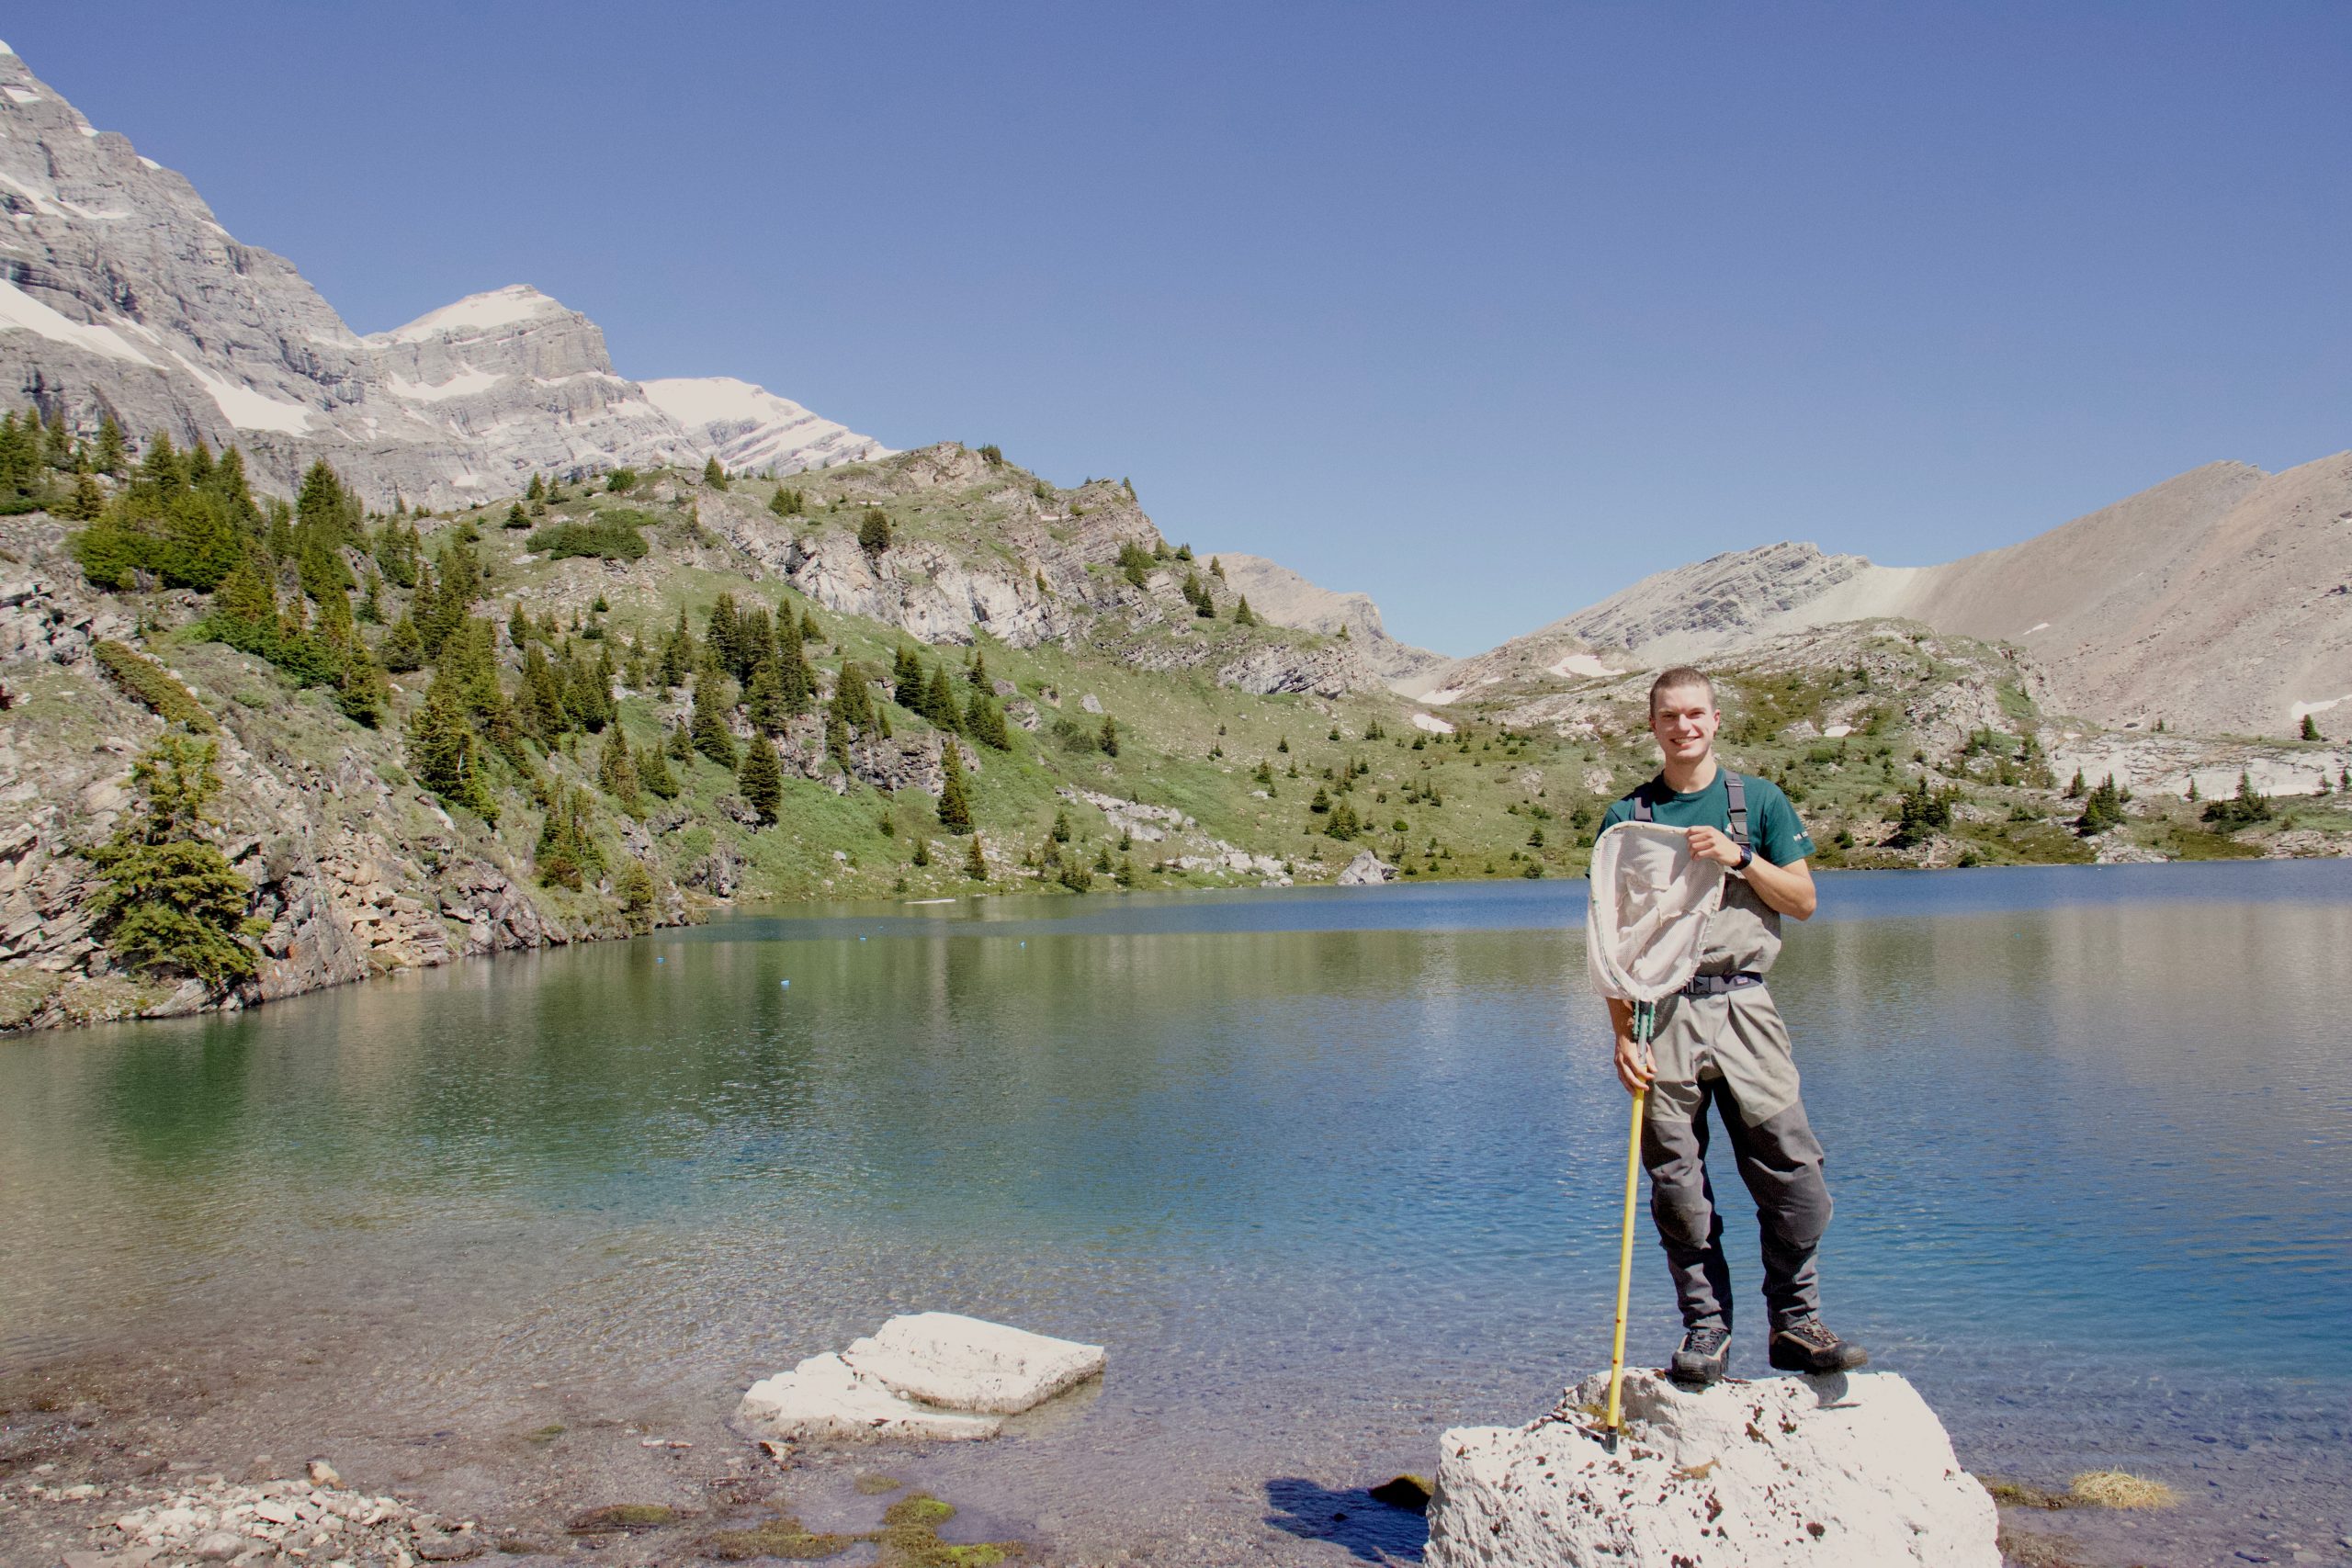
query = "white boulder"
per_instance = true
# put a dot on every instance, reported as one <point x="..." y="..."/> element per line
<point x="824" y="1397"/>
<point x="964" y="1363"/>
<point x="1367" y="870"/>
<point x="926" y="1374"/>
<point x="1852" y="1469"/>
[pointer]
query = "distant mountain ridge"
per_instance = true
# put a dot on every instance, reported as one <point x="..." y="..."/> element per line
<point x="121" y="294"/>
<point x="2219" y="602"/>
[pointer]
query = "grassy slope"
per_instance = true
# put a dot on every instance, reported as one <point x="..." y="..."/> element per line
<point x="1192" y="744"/>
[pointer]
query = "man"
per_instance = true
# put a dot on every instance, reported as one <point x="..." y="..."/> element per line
<point x="1720" y="1043"/>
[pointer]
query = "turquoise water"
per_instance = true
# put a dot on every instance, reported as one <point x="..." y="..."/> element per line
<point x="1326" y="1170"/>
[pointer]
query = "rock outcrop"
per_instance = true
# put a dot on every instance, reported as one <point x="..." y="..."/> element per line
<point x="121" y="294"/>
<point x="1852" y="1469"/>
<point x="1280" y="596"/>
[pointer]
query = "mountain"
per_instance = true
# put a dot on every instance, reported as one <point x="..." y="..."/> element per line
<point x="121" y="295"/>
<point x="1287" y="599"/>
<point x="2216" y="601"/>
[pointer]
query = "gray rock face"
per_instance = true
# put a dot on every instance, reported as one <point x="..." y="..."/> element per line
<point x="1280" y="596"/>
<point x="1712" y="603"/>
<point x="121" y="294"/>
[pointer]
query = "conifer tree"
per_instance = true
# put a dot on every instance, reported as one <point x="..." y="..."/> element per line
<point x="713" y="475"/>
<point x="955" y="810"/>
<point x="939" y="699"/>
<point x="984" y="722"/>
<point x="167" y="897"/>
<point x="759" y="780"/>
<point x="906" y="680"/>
<point x="799" y="680"/>
<point x="403" y="650"/>
<point x="444" y="753"/>
<point x="874" y="532"/>
<point x="653" y="771"/>
<point x="1109" y="739"/>
<point x="536" y="490"/>
<point x="784" y="502"/>
<point x="566" y="852"/>
<point x="679" y="654"/>
<point x="2310" y="728"/>
<point x="808" y="632"/>
<point x="714" y="737"/>
<point x="617" y="773"/>
<point x="1242" y="614"/>
<point x="111" y="456"/>
<point x="362" y="693"/>
<point x="975" y="860"/>
<point x="679" y="744"/>
<point x="764" y="697"/>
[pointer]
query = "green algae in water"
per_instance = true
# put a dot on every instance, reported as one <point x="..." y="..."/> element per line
<point x="909" y="1537"/>
<point x="876" y="1485"/>
<point x="624" y="1517"/>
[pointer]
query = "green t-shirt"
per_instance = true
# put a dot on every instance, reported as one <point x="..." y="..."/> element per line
<point x="1773" y="824"/>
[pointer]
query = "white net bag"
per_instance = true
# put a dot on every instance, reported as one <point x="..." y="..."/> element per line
<point x="1647" y="924"/>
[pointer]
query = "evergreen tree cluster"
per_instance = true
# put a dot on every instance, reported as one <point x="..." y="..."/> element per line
<point x="1922" y="810"/>
<point x="930" y="693"/>
<point x="2244" y="809"/>
<point x="2102" y="808"/>
<point x="45" y="465"/>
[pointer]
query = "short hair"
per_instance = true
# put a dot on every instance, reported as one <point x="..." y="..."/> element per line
<point x="1682" y="677"/>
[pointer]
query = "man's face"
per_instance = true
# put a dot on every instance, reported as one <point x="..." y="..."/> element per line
<point x="1683" y="718"/>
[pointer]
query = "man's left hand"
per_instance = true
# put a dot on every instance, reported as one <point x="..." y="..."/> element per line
<point x="1714" y="844"/>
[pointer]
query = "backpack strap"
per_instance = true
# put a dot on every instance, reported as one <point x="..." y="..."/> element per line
<point x="1735" y="792"/>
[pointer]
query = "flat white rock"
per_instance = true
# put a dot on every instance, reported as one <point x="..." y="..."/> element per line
<point x="824" y="1397"/>
<point x="1851" y="1468"/>
<point x="965" y="1363"/>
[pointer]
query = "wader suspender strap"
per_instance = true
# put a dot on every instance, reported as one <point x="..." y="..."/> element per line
<point x="1734" y="791"/>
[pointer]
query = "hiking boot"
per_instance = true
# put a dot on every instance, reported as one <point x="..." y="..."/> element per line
<point x="1704" y="1356"/>
<point x="1808" y="1345"/>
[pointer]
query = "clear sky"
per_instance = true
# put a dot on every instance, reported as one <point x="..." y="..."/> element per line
<point x="1486" y="310"/>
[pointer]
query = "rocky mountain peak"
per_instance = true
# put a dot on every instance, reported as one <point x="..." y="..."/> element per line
<point x="121" y="295"/>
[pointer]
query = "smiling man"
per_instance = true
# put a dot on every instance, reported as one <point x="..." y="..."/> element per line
<point x="1720" y="1043"/>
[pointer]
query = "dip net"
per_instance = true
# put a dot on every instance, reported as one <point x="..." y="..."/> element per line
<point x="1646" y="923"/>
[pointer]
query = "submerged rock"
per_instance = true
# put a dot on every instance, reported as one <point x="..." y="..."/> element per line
<point x="1786" y="1471"/>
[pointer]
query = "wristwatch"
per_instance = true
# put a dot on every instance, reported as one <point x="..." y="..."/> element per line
<point x="1747" y="857"/>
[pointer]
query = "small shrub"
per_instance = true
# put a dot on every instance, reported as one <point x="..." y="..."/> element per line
<point x="602" y="540"/>
<point x="151" y="684"/>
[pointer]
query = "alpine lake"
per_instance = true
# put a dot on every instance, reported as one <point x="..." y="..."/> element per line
<point x="1328" y="1171"/>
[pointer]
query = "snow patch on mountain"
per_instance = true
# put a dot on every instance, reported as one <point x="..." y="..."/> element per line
<point x="476" y="314"/>
<point x="20" y="311"/>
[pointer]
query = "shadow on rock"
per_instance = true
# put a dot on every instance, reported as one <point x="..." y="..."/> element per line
<point x="1370" y="1530"/>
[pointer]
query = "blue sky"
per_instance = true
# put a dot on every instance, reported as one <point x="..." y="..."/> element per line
<point x="1486" y="310"/>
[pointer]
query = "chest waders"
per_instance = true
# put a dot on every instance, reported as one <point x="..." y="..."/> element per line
<point x="1643" y="934"/>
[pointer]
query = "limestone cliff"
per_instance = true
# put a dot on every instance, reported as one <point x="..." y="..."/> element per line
<point x="121" y="295"/>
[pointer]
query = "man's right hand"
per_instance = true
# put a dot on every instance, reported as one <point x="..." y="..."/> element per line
<point x="1635" y="1069"/>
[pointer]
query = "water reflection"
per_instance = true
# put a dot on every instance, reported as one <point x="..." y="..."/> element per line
<point x="1332" y="1171"/>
